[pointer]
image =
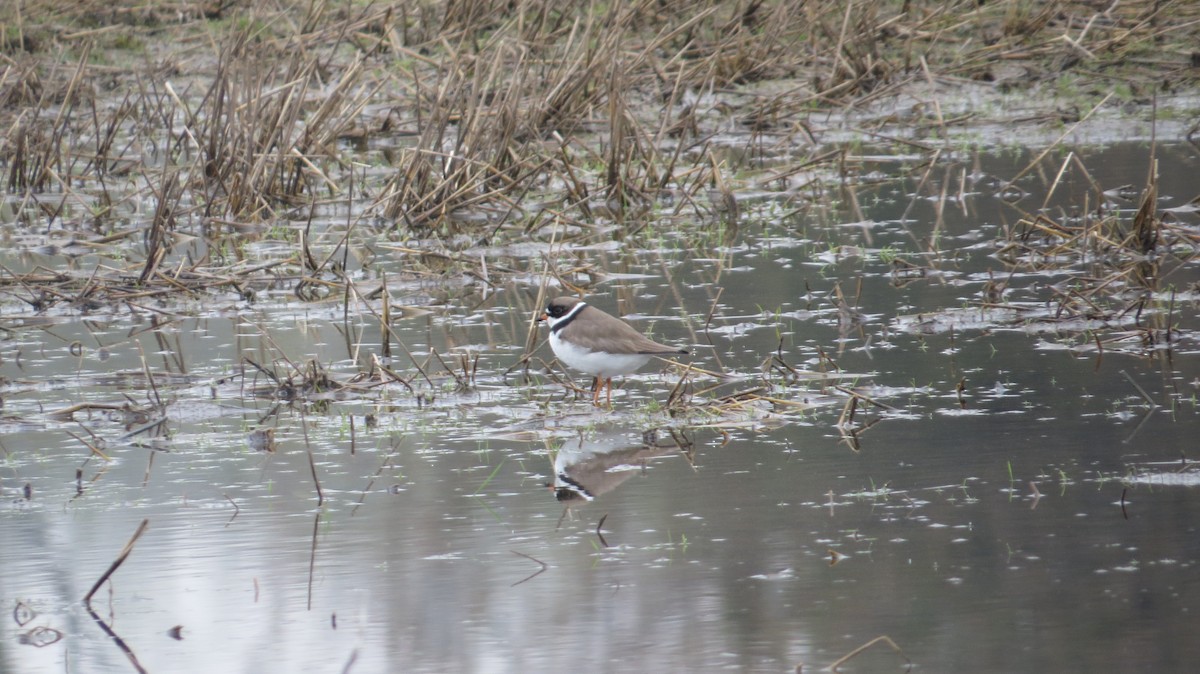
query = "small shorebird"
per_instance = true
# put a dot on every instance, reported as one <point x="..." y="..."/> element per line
<point x="601" y="345"/>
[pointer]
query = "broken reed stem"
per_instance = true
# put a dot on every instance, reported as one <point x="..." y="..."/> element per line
<point x="1050" y="148"/>
<point x="163" y="220"/>
<point x="676" y="392"/>
<point x="535" y="574"/>
<point x="600" y="531"/>
<point x="1145" y="225"/>
<point x="312" y="557"/>
<point x="236" y="510"/>
<point x="883" y="638"/>
<point x="87" y="599"/>
<point x="460" y="382"/>
<point x="133" y="659"/>
<point x="1140" y="390"/>
<point x="312" y="461"/>
<point x="149" y="375"/>
<point x="95" y="450"/>
<point x="385" y="319"/>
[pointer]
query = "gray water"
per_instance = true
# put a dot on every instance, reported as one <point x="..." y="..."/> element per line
<point x="1038" y="522"/>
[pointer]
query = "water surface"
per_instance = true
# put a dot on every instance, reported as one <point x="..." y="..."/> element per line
<point x="1035" y="519"/>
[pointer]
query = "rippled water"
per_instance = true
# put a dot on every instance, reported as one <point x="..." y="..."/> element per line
<point x="1039" y="520"/>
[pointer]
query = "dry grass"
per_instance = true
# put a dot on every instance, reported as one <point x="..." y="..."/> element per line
<point x="491" y="102"/>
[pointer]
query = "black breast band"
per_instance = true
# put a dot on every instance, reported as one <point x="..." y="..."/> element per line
<point x="578" y="309"/>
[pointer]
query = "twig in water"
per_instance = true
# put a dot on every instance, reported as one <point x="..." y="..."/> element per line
<point x="677" y="392"/>
<point x="117" y="640"/>
<point x="599" y="534"/>
<point x="1145" y="396"/>
<point x="312" y="559"/>
<point x="387" y="460"/>
<point x="460" y="383"/>
<point x="149" y="375"/>
<point x="884" y="638"/>
<point x="87" y="599"/>
<point x="535" y="573"/>
<point x="236" y="509"/>
<point x="312" y="462"/>
<point x="1050" y="148"/>
<point x="95" y="450"/>
<point x="385" y="321"/>
<point x="712" y="309"/>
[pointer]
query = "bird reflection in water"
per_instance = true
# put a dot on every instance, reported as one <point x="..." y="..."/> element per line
<point x="601" y="460"/>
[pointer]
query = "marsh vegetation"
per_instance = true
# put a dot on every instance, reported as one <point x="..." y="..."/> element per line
<point x="269" y="281"/>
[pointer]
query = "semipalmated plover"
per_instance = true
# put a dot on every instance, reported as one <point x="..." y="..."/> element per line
<point x="601" y="345"/>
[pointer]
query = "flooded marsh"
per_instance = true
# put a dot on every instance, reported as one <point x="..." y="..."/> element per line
<point x="274" y="396"/>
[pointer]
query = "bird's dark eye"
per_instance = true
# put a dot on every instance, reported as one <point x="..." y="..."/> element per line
<point x="556" y="310"/>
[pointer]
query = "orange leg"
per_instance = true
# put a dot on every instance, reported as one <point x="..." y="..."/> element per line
<point x="598" y="385"/>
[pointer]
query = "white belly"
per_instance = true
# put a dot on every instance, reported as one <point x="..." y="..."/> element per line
<point x="596" y="363"/>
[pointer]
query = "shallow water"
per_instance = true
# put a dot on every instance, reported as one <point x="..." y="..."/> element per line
<point x="1038" y="521"/>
